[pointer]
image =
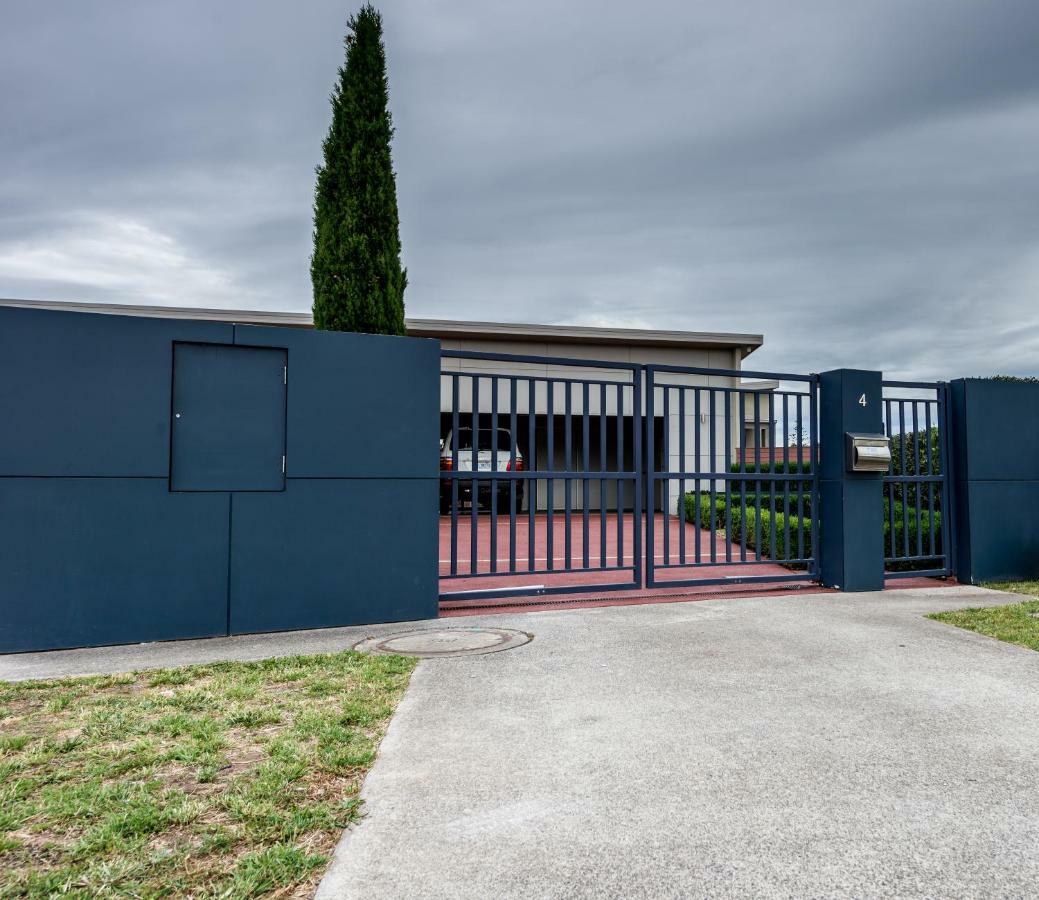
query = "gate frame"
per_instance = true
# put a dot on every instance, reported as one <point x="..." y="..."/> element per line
<point x="645" y="474"/>
<point x="945" y="478"/>
<point x="530" y="475"/>
<point x="653" y="475"/>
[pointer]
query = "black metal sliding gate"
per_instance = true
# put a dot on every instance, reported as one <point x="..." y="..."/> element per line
<point x="918" y="512"/>
<point x="734" y="474"/>
<point x="546" y="454"/>
<point x="570" y="476"/>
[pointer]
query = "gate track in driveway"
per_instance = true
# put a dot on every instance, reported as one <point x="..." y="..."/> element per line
<point x="463" y="606"/>
<point x="581" y="577"/>
<point x="816" y="745"/>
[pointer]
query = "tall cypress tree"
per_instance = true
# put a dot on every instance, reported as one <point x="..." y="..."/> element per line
<point x="356" y="270"/>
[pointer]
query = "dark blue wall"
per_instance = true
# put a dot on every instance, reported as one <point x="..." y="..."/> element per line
<point x="95" y="546"/>
<point x="851" y="504"/>
<point x="995" y="428"/>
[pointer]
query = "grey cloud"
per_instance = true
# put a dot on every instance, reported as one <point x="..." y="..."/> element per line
<point x="857" y="182"/>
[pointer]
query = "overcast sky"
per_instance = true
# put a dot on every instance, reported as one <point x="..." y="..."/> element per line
<point x="858" y="182"/>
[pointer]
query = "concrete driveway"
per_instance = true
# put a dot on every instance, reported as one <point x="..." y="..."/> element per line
<point x="818" y="745"/>
<point x="796" y="746"/>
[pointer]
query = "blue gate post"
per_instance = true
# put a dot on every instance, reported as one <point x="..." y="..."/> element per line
<point x="851" y="514"/>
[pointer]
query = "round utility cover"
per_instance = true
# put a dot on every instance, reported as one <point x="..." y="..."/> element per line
<point x="434" y="642"/>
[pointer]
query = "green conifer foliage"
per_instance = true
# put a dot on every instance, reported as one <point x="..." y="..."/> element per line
<point x="356" y="269"/>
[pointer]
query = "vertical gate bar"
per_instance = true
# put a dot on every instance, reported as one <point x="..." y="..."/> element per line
<point x="651" y="468"/>
<point x="813" y="425"/>
<point x="926" y="472"/>
<point x="494" y="473"/>
<point x="681" y="480"/>
<point x="621" y="468"/>
<point x="948" y="525"/>
<point x="916" y="471"/>
<point x="743" y="471"/>
<point x="800" y="483"/>
<point x="454" y="473"/>
<point x="786" y="481"/>
<point x="727" y="395"/>
<point x="586" y="464"/>
<point x="665" y="466"/>
<point x="757" y="470"/>
<point x="712" y="441"/>
<point x="889" y="549"/>
<point x="905" y="472"/>
<point x="697" y="468"/>
<point x="636" y="538"/>
<point x="473" y="498"/>
<point x="772" y="484"/>
<point x="602" y="481"/>
<point x="513" y="434"/>
<point x="930" y="484"/>
<point x="567" y="483"/>
<point x="532" y="483"/>
<point x="550" y="486"/>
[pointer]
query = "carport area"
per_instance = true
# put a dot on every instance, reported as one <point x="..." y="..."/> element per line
<point x="817" y="745"/>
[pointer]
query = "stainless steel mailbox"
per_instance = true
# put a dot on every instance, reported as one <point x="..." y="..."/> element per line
<point x="868" y="452"/>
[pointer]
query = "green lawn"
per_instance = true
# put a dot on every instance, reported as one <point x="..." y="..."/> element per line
<point x="231" y="780"/>
<point x="1017" y="623"/>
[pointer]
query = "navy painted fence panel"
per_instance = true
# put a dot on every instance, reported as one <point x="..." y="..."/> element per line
<point x="86" y="561"/>
<point x="996" y="453"/>
<point x="334" y="551"/>
<point x="370" y="398"/>
<point x="123" y="558"/>
<point x="89" y="395"/>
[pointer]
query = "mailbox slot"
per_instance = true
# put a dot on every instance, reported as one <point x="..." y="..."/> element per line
<point x="868" y="452"/>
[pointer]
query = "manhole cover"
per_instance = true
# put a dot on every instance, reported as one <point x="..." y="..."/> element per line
<point x="446" y="642"/>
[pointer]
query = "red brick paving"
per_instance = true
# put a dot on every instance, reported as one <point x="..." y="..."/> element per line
<point x="594" y="575"/>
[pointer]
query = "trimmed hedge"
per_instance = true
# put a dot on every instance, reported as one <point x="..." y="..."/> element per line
<point x="908" y="452"/>
<point x="763" y="500"/>
<point x="746" y="521"/>
<point x="778" y="503"/>
<point x="904" y="525"/>
<point x="780" y="468"/>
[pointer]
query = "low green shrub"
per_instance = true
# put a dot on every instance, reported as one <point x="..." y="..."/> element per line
<point x="737" y="521"/>
<point x="734" y="520"/>
<point x="778" y="503"/>
<point x="779" y="468"/>
<point x="905" y="528"/>
<point x="701" y="513"/>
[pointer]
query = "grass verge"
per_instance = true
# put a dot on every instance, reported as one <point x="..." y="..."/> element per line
<point x="1016" y="623"/>
<point x="230" y="780"/>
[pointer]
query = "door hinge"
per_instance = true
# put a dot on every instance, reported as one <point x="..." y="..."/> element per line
<point x="284" y="374"/>
<point x="283" y="464"/>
